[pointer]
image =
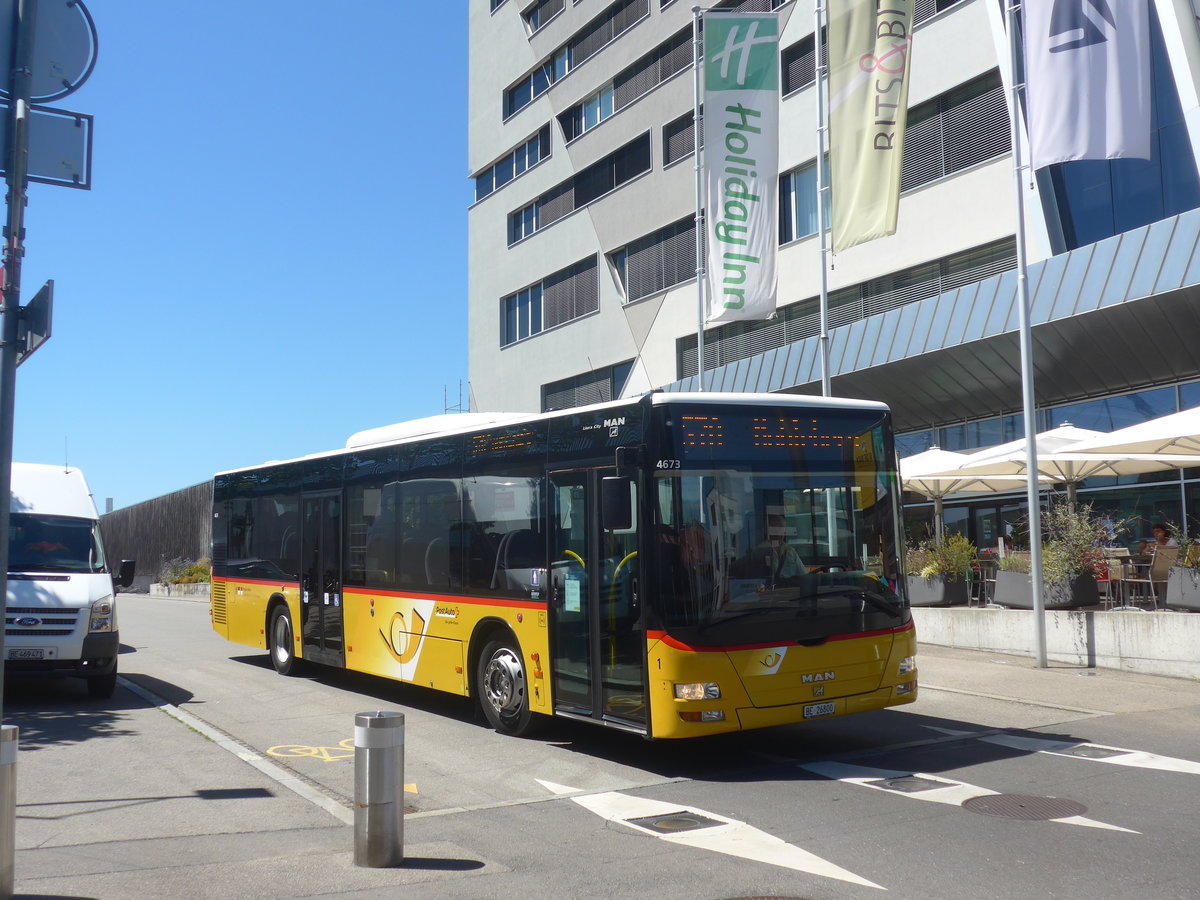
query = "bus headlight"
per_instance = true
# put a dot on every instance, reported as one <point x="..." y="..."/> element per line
<point x="707" y="690"/>
<point x="104" y="615"/>
<point x="908" y="664"/>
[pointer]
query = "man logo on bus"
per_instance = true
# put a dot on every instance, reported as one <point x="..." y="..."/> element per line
<point x="817" y="677"/>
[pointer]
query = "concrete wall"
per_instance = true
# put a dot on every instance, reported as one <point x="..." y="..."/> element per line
<point x="1152" y="643"/>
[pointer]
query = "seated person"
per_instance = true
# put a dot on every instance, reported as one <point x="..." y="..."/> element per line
<point x="782" y="557"/>
<point x="1161" y="538"/>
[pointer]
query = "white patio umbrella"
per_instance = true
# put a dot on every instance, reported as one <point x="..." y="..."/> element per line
<point x="1176" y="435"/>
<point x="936" y="474"/>
<point x="1059" y="459"/>
<point x="1174" y="439"/>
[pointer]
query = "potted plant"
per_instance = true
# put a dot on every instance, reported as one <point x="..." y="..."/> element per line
<point x="938" y="571"/>
<point x="1183" y="578"/>
<point x="1071" y="559"/>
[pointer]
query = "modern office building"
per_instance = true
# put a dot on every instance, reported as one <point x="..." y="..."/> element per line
<point x="582" y="243"/>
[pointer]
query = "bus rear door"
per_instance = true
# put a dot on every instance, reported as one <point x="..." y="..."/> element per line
<point x="321" y="582"/>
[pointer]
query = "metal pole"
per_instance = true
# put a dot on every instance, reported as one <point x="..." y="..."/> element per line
<point x="8" y="807"/>
<point x="1027" y="394"/>
<point x="379" y="789"/>
<point x="19" y="89"/>
<point x="819" y="70"/>
<point x="697" y="140"/>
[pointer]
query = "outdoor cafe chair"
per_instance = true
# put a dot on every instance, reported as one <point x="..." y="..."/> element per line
<point x="1146" y="585"/>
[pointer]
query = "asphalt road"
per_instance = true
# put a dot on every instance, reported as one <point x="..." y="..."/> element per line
<point x="1002" y="780"/>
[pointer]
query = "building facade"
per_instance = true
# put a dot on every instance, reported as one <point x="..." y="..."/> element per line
<point x="582" y="253"/>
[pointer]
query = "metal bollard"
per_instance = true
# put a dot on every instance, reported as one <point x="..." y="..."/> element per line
<point x="8" y="807"/>
<point x="379" y="789"/>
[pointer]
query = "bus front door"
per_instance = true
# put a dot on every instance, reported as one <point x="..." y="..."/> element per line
<point x="599" y="648"/>
<point x="321" y="583"/>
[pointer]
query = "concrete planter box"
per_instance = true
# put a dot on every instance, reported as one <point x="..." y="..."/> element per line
<point x="936" y="591"/>
<point x="1183" y="588"/>
<point x="179" y="590"/>
<point x="1014" y="590"/>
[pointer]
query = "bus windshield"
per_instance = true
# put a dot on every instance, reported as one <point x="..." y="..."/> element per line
<point x="767" y="531"/>
<point x="39" y="543"/>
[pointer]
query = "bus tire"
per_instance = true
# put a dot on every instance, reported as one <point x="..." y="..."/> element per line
<point x="502" y="688"/>
<point x="280" y="641"/>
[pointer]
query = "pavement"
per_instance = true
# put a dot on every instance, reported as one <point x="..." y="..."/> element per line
<point x="134" y="800"/>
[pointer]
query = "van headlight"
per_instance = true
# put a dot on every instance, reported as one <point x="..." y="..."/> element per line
<point x="104" y="615"/>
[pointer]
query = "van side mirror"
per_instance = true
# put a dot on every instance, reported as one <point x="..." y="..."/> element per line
<point x="616" y="503"/>
<point x="125" y="573"/>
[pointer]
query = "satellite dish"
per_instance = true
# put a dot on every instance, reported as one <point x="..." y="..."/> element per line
<point x="64" y="47"/>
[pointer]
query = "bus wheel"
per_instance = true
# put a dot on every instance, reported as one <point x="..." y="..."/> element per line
<point x="280" y="642"/>
<point x="501" y="687"/>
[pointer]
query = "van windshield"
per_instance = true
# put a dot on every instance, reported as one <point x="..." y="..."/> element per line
<point x="53" y="544"/>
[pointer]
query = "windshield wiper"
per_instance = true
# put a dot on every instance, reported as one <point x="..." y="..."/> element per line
<point x="877" y="599"/>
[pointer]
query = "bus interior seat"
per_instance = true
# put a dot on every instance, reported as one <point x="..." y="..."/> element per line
<point x="520" y="553"/>
<point x="437" y="563"/>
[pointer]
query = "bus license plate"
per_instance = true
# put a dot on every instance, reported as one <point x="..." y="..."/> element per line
<point x="26" y="653"/>
<point x="816" y="710"/>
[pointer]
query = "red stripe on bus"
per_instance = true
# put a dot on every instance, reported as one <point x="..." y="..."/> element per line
<point x="282" y="585"/>
<point x="450" y="598"/>
<point x="730" y="648"/>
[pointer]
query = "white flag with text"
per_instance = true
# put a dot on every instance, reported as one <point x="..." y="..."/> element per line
<point x="1087" y="79"/>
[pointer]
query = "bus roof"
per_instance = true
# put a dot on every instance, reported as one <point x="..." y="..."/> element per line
<point x="459" y="423"/>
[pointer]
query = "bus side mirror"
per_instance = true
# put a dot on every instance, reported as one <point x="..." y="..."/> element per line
<point x="616" y="504"/>
<point x="125" y="573"/>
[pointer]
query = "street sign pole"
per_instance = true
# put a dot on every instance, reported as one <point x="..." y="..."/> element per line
<point x="19" y="87"/>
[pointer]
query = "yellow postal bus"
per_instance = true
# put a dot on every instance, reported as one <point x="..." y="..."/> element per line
<point x="675" y="565"/>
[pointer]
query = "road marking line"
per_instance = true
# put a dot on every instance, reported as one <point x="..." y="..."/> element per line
<point x="730" y="836"/>
<point x="272" y="771"/>
<point x="952" y="793"/>
<point x="1136" y="758"/>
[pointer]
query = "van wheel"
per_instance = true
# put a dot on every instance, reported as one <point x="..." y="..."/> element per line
<point x="280" y="642"/>
<point x="101" y="687"/>
<point x="501" y="687"/>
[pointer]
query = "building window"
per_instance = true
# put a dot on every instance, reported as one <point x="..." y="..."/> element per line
<point x="679" y="138"/>
<point x="597" y="34"/>
<point x="750" y="6"/>
<point x="598" y="179"/>
<point x="598" y="386"/>
<point x="658" y="261"/>
<point x="521" y="315"/>
<point x="798" y="65"/>
<point x="522" y="223"/>
<point x="496" y="4"/>
<point x="796" y="321"/>
<point x="955" y="131"/>
<point x="541" y="13"/>
<point x="567" y="294"/>
<point x="513" y="164"/>
<point x="588" y="113"/>
<point x="798" y="203"/>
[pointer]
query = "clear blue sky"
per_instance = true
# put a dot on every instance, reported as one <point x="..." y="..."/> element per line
<point x="273" y="255"/>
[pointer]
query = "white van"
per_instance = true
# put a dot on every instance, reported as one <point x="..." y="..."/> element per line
<point x="62" y="614"/>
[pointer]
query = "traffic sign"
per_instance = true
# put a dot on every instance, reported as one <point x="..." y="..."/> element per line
<point x="34" y="328"/>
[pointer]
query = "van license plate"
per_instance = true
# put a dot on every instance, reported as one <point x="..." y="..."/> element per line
<point x="816" y="710"/>
<point x="26" y="653"/>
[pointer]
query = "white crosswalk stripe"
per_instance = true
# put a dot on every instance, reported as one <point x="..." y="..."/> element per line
<point x="949" y="792"/>
<point x="1117" y="756"/>
<point x="727" y="836"/>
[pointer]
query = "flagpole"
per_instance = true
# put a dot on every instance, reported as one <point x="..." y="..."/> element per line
<point x="697" y="140"/>
<point x="823" y="302"/>
<point x="1027" y="393"/>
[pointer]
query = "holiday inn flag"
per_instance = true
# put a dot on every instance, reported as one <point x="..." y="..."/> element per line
<point x="741" y="164"/>
<point x="869" y="43"/>
<point x="1087" y="80"/>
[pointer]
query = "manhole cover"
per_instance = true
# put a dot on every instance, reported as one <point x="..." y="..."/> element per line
<point x="673" y="823"/>
<point x="1022" y="806"/>
<point x="1091" y="752"/>
<point x="908" y="784"/>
